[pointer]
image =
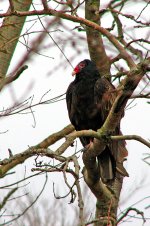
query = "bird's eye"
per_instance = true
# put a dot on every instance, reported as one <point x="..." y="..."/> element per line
<point x="81" y="65"/>
<point x="78" y="68"/>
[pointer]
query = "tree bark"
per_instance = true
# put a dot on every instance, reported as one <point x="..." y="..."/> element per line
<point x="94" y="39"/>
<point x="10" y="33"/>
<point x="106" y="208"/>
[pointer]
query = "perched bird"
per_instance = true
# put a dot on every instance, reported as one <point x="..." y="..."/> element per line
<point x="89" y="99"/>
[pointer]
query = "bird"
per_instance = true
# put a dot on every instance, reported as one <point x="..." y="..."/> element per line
<point x="89" y="99"/>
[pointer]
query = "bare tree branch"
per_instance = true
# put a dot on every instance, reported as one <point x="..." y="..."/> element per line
<point x="96" y="48"/>
<point x="44" y="2"/>
<point x="8" y="35"/>
<point x="88" y="23"/>
<point x="35" y="200"/>
<point x="11" y="5"/>
<point x="131" y="137"/>
<point x="131" y="209"/>
<point x="12" y="78"/>
<point x="7" y="164"/>
<point x="2" y="204"/>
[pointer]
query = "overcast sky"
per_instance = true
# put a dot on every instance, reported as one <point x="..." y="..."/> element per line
<point x="23" y="130"/>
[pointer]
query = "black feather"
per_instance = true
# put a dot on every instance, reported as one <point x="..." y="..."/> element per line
<point x="89" y="99"/>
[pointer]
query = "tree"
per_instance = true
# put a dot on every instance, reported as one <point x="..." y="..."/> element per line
<point x="120" y="56"/>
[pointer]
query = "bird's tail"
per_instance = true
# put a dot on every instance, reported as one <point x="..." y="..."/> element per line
<point x="108" y="166"/>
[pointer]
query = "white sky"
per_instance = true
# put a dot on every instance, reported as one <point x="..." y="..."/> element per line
<point x="53" y="117"/>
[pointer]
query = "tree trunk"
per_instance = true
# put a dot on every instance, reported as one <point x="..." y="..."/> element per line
<point x="9" y="35"/>
<point x="94" y="39"/>
<point x="106" y="208"/>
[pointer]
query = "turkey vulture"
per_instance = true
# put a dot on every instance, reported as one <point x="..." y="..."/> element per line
<point x="89" y="99"/>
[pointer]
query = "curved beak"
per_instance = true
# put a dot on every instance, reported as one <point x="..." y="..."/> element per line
<point x="74" y="73"/>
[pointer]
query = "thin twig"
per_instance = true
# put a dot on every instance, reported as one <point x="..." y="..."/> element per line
<point x="77" y="183"/>
<point x="81" y="20"/>
<point x="22" y="180"/>
<point x="143" y="10"/>
<point x="10" y="79"/>
<point x="2" y="204"/>
<point x="19" y="215"/>
<point x="54" y="40"/>
<point x="131" y="209"/>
